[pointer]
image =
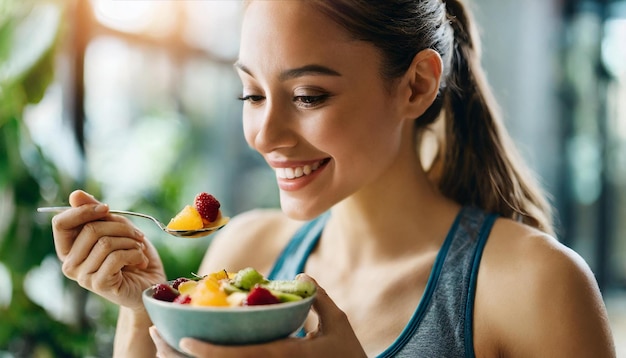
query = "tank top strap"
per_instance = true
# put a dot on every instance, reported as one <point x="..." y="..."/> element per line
<point x="442" y="323"/>
<point x="293" y="258"/>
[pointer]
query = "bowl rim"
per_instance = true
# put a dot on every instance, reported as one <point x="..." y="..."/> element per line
<point x="276" y="306"/>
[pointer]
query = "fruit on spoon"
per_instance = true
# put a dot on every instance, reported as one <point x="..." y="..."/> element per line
<point x="186" y="219"/>
<point x="208" y="207"/>
<point x="204" y="213"/>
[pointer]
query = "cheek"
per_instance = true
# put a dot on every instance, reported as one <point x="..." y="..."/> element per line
<point x="370" y="130"/>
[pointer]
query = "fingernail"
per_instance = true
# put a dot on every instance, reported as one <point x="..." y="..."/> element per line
<point x="152" y="331"/>
<point x="184" y="345"/>
<point x="139" y="234"/>
<point x="101" y="208"/>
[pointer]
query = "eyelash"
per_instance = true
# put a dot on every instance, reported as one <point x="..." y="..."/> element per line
<point x="251" y="98"/>
<point x="301" y="101"/>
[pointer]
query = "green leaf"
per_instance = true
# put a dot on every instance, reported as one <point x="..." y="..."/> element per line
<point x="28" y="38"/>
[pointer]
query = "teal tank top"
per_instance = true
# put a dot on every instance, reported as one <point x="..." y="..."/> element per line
<point x="441" y="325"/>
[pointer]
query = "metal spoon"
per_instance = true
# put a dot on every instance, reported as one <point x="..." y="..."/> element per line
<point x="190" y="234"/>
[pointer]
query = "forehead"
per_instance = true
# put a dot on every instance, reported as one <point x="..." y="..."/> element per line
<point x="291" y="33"/>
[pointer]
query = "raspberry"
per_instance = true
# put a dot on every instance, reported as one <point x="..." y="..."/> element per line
<point x="207" y="206"/>
<point x="178" y="281"/>
<point x="165" y="292"/>
<point x="260" y="296"/>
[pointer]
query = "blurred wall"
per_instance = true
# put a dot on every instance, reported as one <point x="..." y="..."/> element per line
<point x="520" y="43"/>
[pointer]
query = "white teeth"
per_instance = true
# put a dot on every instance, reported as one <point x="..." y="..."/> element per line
<point x="297" y="172"/>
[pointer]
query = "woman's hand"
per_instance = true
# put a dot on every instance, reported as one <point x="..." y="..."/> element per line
<point x="105" y="253"/>
<point x="333" y="337"/>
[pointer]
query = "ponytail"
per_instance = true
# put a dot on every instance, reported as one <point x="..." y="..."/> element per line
<point x="480" y="164"/>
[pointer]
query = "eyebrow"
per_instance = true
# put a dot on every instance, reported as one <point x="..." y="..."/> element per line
<point x="307" y="70"/>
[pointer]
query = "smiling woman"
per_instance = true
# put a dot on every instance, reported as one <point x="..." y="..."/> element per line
<point x="335" y="97"/>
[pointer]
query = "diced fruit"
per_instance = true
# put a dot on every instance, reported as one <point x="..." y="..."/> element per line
<point x="187" y="219"/>
<point x="236" y="299"/>
<point x="260" y="296"/>
<point x="219" y="275"/>
<point x="165" y="292"/>
<point x="285" y="297"/>
<point x="207" y="206"/>
<point x="187" y="287"/>
<point x="178" y="281"/>
<point x="205" y="295"/>
<point x="183" y="299"/>
<point x="296" y="287"/>
<point x="247" y="287"/>
<point x="247" y="278"/>
<point x="211" y="283"/>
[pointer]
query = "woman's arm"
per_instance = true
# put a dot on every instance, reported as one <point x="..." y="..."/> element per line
<point x="540" y="299"/>
<point x="132" y="338"/>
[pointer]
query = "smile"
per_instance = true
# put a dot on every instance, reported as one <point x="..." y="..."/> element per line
<point x="297" y="172"/>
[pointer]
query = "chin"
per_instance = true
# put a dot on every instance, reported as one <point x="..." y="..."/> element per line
<point x="300" y="210"/>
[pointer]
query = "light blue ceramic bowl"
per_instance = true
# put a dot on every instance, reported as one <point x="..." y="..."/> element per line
<point x="226" y="325"/>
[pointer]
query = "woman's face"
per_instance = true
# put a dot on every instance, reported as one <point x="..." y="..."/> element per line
<point x="315" y="105"/>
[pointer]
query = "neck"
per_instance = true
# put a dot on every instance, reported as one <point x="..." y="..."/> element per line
<point x="401" y="214"/>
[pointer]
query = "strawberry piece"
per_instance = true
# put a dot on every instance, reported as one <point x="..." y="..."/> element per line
<point x="183" y="299"/>
<point x="207" y="206"/>
<point x="165" y="292"/>
<point x="260" y="296"/>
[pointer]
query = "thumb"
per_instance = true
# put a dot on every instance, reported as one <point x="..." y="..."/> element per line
<point x="330" y="317"/>
<point x="79" y="197"/>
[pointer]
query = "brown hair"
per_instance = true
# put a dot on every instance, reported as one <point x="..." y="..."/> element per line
<point x="480" y="165"/>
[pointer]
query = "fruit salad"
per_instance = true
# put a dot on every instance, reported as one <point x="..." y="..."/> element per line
<point x="205" y="212"/>
<point x="227" y="289"/>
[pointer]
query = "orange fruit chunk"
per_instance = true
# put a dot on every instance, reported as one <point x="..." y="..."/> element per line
<point x="187" y="287"/>
<point x="217" y="276"/>
<point x="186" y="219"/>
<point x="209" y="293"/>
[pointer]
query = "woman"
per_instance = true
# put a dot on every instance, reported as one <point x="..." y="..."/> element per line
<point x="412" y="259"/>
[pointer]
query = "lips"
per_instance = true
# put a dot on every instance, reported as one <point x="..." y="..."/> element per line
<point x="299" y="171"/>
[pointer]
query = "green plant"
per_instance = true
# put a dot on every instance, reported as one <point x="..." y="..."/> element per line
<point x="29" y="33"/>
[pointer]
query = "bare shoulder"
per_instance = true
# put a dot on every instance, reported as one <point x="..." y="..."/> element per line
<point x="251" y="239"/>
<point x="538" y="297"/>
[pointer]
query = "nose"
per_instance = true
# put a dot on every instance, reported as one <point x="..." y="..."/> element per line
<point x="269" y="128"/>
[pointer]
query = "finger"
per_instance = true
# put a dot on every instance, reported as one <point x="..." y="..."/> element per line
<point x="289" y="347"/>
<point x="90" y="236"/>
<point x="79" y="198"/>
<point x="163" y="349"/>
<point x="67" y="225"/>
<point x="326" y="309"/>
<point x="104" y="247"/>
<point x="109" y="275"/>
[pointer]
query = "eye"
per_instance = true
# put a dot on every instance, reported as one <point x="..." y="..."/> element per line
<point x="310" y="101"/>
<point x="251" y="98"/>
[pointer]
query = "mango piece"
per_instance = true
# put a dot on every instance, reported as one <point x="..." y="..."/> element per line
<point x="187" y="287"/>
<point x="186" y="219"/>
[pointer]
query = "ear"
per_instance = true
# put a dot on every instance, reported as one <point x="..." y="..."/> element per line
<point x="421" y="82"/>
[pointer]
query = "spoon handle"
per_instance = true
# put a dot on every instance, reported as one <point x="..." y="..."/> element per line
<point x="53" y="209"/>
<point x="60" y="209"/>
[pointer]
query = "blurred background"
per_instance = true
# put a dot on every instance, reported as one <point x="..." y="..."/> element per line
<point x="135" y="102"/>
